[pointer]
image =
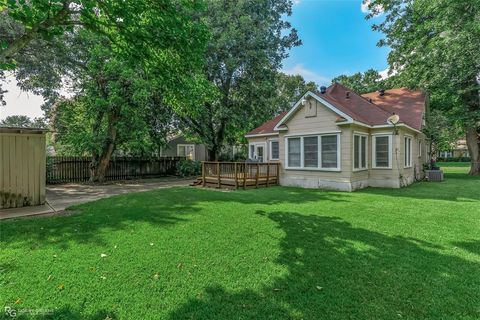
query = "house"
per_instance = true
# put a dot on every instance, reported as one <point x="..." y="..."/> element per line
<point x="341" y="140"/>
<point x="459" y="150"/>
<point x="180" y="146"/>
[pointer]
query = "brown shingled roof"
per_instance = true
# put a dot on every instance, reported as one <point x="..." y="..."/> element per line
<point x="370" y="108"/>
<point x="408" y="104"/>
<point x="268" y="126"/>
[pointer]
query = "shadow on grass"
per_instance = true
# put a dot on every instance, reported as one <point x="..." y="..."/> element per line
<point x="472" y="246"/>
<point x="163" y="208"/>
<point x="338" y="271"/>
<point x="458" y="187"/>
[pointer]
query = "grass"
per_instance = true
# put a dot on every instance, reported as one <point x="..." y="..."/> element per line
<point x="277" y="253"/>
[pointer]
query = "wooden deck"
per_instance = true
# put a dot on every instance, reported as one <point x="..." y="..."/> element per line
<point x="234" y="175"/>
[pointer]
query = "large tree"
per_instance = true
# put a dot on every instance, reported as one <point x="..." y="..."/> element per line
<point x="288" y="89"/>
<point x="249" y="39"/>
<point x="22" y="121"/>
<point x="435" y="45"/>
<point x="359" y="82"/>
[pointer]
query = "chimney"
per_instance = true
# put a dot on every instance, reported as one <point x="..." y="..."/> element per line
<point x="381" y="92"/>
<point x="323" y="89"/>
<point x="347" y="95"/>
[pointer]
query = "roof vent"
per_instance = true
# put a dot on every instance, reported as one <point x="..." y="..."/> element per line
<point x="370" y="100"/>
<point x="347" y="95"/>
<point x="381" y="92"/>
<point x="323" y="89"/>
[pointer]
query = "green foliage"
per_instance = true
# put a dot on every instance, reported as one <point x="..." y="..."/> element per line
<point x="454" y="159"/>
<point x="189" y="168"/>
<point x="23" y="122"/>
<point x="369" y="81"/>
<point x="440" y="132"/>
<point x="434" y="45"/>
<point x="289" y="89"/>
<point x="270" y="253"/>
<point x="248" y="41"/>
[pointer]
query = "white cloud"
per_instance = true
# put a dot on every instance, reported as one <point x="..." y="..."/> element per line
<point x="364" y="7"/>
<point x="384" y="73"/>
<point x="295" y="2"/>
<point x="307" y="74"/>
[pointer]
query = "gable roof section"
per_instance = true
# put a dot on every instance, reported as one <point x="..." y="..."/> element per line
<point x="370" y="109"/>
<point x="268" y="127"/>
<point x="408" y="104"/>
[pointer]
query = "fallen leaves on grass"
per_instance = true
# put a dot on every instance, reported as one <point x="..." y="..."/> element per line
<point x="103" y="255"/>
<point x="61" y="287"/>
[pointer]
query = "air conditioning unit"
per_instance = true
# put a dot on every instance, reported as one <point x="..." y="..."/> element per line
<point x="434" y="175"/>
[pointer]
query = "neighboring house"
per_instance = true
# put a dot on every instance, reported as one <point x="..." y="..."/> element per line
<point x="458" y="150"/>
<point x="179" y="146"/>
<point x="338" y="139"/>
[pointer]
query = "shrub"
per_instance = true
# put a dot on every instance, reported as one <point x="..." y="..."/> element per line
<point x="187" y="168"/>
<point x="454" y="159"/>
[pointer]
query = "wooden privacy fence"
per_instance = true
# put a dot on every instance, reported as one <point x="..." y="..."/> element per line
<point x="77" y="169"/>
<point x="239" y="174"/>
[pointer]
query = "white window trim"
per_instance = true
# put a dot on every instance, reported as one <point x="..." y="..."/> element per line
<point x="270" y="157"/>
<point x="420" y="148"/>
<point x="302" y="167"/>
<point x="410" y="142"/>
<point x="374" y="151"/>
<point x="186" y="145"/>
<point x="360" y="134"/>
<point x="264" y="144"/>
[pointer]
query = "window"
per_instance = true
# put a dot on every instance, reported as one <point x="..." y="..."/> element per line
<point x="294" y="146"/>
<point x="420" y="148"/>
<point x="274" y="150"/>
<point x="312" y="152"/>
<point x="408" y="152"/>
<point x="329" y="152"/>
<point x="186" y="150"/>
<point x="359" y="152"/>
<point x="382" y="150"/>
<point x="256" y="151"/>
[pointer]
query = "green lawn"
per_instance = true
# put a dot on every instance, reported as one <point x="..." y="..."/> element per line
<point x="276" y="253"/>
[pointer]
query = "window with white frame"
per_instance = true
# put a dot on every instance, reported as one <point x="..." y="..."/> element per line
<point x="382" y="151"/>
<point x="313" y="152"/>
<point x="294" y="152"/>
<point x="274" y="150"/>
<point x="420" y="148"/>
<point x="360" y="151"/>
<point x="186" y="150"/>
<point x="408" y="152"/>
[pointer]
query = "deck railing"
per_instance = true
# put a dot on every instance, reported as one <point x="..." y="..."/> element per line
<point x="240" y="174"/>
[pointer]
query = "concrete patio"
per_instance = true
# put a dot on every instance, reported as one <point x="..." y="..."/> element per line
<point x="61" y="196"/>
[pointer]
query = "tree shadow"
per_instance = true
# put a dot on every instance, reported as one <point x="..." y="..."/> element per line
<point x="472" y="246"/>
<point x="163" y="208"/>
<point x="457" y="187"/>
<point x="339" y="271"/>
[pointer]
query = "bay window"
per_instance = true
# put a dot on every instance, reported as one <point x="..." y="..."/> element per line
<point x="313" y="152"/>
<point x="294" y="152"/>
<point x="382" y="151"/>
<point x="274" y="150"/>
<point x="359" y="152"/>
<point x="408" y="152"/>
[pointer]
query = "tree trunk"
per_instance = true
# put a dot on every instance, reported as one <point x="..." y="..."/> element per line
<point x="99" y="165"/>
<point x="473" y="144"/>
<point x="212" y="153"/>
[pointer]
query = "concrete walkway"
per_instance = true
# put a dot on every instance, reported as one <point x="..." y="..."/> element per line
<point x="62" y="196"/>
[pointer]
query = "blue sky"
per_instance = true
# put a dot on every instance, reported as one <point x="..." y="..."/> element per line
<point x="336" y="40"/>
